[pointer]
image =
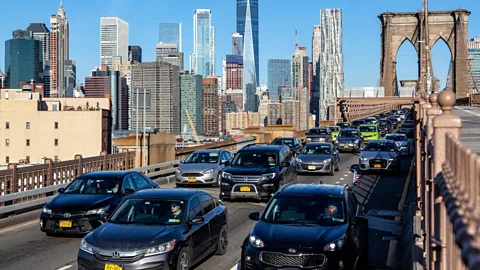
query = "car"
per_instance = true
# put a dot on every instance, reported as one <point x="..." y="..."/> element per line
<point x="257" y="172"/>
<point x="84" y="204"/>
<point x="384" y="127"/>
<point x="349" y="140"/>
<point x="357" y="123"/>
<point x="308" y="226"/>
<point x="369" y="132"/>
<point x="203" y="167"/>
<point x="318" y="157"/>
<point x="319" y="134"/>
<point x="343" y="125"/>
<point x="335" y="130"/>
<point x="291" y="142"/>
<point x="158" y="229"/>
<point x="380" y="155"/>
<point x="403" y="143"/>
<point x="407" y="129"/>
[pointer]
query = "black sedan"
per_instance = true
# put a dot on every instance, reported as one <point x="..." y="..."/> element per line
<point x="158" y="229"/>
<point x="85" y="203"/>
<point x="291" y="142"/>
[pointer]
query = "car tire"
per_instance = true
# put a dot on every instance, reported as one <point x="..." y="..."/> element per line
<point x="337" y="168"/>
<point x="50" y="234"/>
<point x="183" y="260"/>
<point x="331" y="173"/>
<point x="222" y="243"/>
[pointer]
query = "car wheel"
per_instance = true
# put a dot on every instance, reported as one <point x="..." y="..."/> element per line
<point x="49" y="234"/>
<point x="183" y="261"/>
<point x="222" y="241"/>
<point x="331" y="171"/>
<point x="338" y="166"/>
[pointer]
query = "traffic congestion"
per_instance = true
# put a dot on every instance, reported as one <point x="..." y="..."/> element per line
<point x="130" y="222"/>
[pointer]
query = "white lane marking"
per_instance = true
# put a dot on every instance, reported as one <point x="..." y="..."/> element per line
<point x="237" y="266"/>
<point x="470" y="112"/>
<point x="65" y="267"/>
<point x="19" y="226"/>
<point x="337" y="182"/>
<point x="346" y="175"/>
<point x="341" y="179"/>
<point x="349" y="172"/>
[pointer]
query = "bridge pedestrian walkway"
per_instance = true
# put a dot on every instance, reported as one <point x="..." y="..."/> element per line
<point x="470" y="132"/>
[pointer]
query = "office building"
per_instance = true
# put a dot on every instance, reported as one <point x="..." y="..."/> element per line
<point x="237" y="44"/>
<point x="241" y="120"/>
<point x="113" y="41"/>
<point x="23" y="59"/>
<point x="300" y="68"/>
<point x="210" y="106"/>
<point x="250" y="75"/>
<point x="59" y="52"/>
<point x="279" y="74"/>
<point x="331" y="61"/>
<point x="191" y="97"/>
<point x="41" y="32"/>
<point x="291" y="113"/>
<point x="304" y="108"/>
<point x="202" y="60"/>
<point x="473" y="47"/>
<point x="247" y="26"/>
<point x="134" y="54"/>
<point x="170" y="33"/>
<point x="158" y="84"/>
<point x="70" y="77"/>
<point x="2" y="79"/>
<point x="233" y="75"/>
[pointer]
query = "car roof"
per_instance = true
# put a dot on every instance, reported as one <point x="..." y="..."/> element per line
<point x="209" y="150"/>
<point x="265" y="147"/>
<point x="349" y="129"/>
<point x="109" y="173"/>
<point x="381" y="141"/>
<point x="396" y="134"/>
<point x="167" y="193"/>
<point x="312" y="189"/>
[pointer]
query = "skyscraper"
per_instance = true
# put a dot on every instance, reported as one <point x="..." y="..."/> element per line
<point x="59" y="52"/>
<point x="242" y="17"/>
<point x="134" y="54"/>
<point x="202" y="60"/>
<point x="279" y="74"/>
<point x="70" y="77"/>
<point x="250" y="81"/>
<point x="300" y="68"/>
<point x="170" y="33"/>
<point x="331" y="61"/>
<point x="113" y="41"/>
<point x="315" y="91"/>
<point x="40" y="32"/>
<point x="237" y="44"/>
<point x="474" y="50"/>
<point x="191" y="98"/>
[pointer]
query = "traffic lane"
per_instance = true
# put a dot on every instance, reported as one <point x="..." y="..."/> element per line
<point x="470" y="131"/>
<point x="381" y="191"/>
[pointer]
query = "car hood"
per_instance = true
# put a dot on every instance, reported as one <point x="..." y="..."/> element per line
<point x="377" y="155"/>
<point x="313" y="158"/>
<point x="249" y="170"/>
<point x="131" y="237"/>
<point x="314" y="237"/>
<point x="79" y="202"/>
<point x="197" y="167"/>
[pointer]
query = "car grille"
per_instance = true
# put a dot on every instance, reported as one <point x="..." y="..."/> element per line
<point x="317" y="167"/>
<point x="248" y="178"/>
<point x="192" y="174"/>
<point x="118" y="259"/>
<point x="282" y="260"/>
<point x="383" y="162"/>
<point x="71" y="215"/>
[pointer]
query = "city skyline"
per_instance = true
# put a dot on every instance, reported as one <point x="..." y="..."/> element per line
<point x="86" y="50"/>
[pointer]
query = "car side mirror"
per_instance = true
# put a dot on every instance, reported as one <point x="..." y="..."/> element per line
<point x="306" y="133"/>
<point x="254" y="216"/>
<point x="285" y="164"/>
<point x="128" y="191"/>
<point x="197" y="220"/>
<point x="360" y="221"/>
<point x="61" y="190"/>
<point x="225" y="162"/>
<point x="182" y="161"/>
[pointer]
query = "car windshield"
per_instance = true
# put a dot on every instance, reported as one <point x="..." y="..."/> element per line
<point x="288" y="142"/>
<point x="94" y="185"/>
<point x="318" y="131"/>
<point x="202" y="157"/>
<point x="349" y="134"/>
<point x="368" y="129"/>
<point x="255" y="159"/>
<point x="334" y="129"/>
<point x="380" y="147"/>
<point x="305" y="210"/>
<point x="316" y="149"/>
<point x="150" y="212"/>
<point x="343" y="125"/>
<point x="357" y="123"/>
<point x="383" y="124"/>
<point x="396" y="138"/>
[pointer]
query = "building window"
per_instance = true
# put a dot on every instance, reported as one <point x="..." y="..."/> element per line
<point x="27" y="159"/>
<point x="7" y="159"/>
<point x="54" y="107"/>
<point x="7" y="142"/>
<point x="56" y="142"/>
<point x="55" y="158"/>
<point x="56" y="125"/>
<point x="28" y="125"/>
<point x="28" y="142"/>
<point x="7" y="125"/>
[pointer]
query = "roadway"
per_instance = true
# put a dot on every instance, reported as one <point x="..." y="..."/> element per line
<point x="470" y="132"/>
<point x="24" y="246"/>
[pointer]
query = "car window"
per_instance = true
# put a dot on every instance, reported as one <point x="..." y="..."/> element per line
<point x="139" y="181"/>
<point x="288" y="142"/>
<point x="94" y="185"/>
<point x="349" y="133"/>
<point x="149" y="212"/>
<point x="317" y="131"/>
<point x="255" y="159"/>
<point x="368" y="129"/>
<point x="207" y="203"/>
<point x="229" y="155"/>
<point x="194" y="209"/>
<point x="396" y="138"/>
<point x="380" y="147"/>
<point x="128" y="182"/>
<point x="316" y="149"/>
<point x="202" y="157"/>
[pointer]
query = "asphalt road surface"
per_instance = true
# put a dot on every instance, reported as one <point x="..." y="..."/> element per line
<point x="25" y="246"/>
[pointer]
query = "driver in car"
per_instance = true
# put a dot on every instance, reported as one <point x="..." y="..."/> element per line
<point x="331" y="212"/>
<point x="176" y="210"/>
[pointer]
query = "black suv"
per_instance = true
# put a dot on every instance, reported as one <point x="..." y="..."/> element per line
<point x="308" y="226"/>
<point x="257" y="172"/>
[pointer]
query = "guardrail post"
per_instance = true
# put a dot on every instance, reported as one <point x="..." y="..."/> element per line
<point x="126" y="162"/>
<point x="12" y="188"/>
<point x="442" y="230"/>
<point x="79" y="170"/>
<point x="49" y="176"/>
<point x="104" y="160"/>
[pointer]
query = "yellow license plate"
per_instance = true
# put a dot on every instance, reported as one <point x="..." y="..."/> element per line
<point x="245" y="189"/>
<point x="311" y="167"/>
<point x="65" y="224"/>
<point x="366" y="139"/>
<point x="192" y="180"/>
<point x="322" y="140"/>
<point x="112" y="267"/>
<point x="345" y="146"/>
<point x="377" y="166"/>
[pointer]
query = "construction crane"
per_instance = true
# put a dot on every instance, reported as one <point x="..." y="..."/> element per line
<point x="193" y="127"/>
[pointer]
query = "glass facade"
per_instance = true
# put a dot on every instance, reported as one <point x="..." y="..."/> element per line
<point x="241" y="23"/>
<point x="170" y="33"/>
<point x="23" y="62"/>
<point x="279" y="74"/>
<point x="203" y="57"/>
<point x="474" y="52"/>
<point x="191" y="98"/>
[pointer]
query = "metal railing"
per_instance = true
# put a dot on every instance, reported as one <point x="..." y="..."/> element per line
<point x="447" y="186"/>
<point x="349" y="109"/>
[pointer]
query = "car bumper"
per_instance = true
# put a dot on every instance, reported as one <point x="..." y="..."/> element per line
<point x="247" y="190"/>
<point x="367" y="139"/>
<point x="88" y="261"/>
<point x="344" y="146"/>
<point x="385" y="165"/>
<point x="317" y="168"/>
<point x="82" y="225"/>
<point x="196" y="178"/>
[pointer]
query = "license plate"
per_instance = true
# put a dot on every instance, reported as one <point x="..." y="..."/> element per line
<point x="345" y="146"/>
<point x="311" y="167"/>
<point x="377" y="166"/>
<point x="245" y="189"/>
<point x="322" y="139"/>
<point x="65" y="224"/>
<point x="112" y="267"/>
<point x="192" y="180"/>
<point x="366" y="139"/>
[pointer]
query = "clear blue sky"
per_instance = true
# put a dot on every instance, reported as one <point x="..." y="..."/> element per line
<point x="278" y="21"/>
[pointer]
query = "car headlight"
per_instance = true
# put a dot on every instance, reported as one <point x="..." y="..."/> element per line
<point x="226" y="175"/>
<point x="208" y="171"/>
<point x="163" y="248"/>
<point x="334" y="246"/>
<point x="47" y="210"/>
<point x="391" y="159"/>
<point x="299" y="160"/>
<point x="335" y="142"/>
<point x="98" y="211"/>
<point x="268" y="176"/>
<point x="363" y="158"/>
<point x="327" y="161"/>
<point x="86" y="246"/>
<point x="255" y="241"/>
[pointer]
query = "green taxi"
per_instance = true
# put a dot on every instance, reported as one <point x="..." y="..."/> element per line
<point x="335" y="130"/>
<point x="369" y="132"/>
